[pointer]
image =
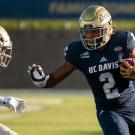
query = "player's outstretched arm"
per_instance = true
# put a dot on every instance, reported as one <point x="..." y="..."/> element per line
<point x="13" y="103"/>
<point x="40" y="79"/>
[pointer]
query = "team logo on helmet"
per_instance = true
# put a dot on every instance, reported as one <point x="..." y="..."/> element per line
<point x="100" y="18"/>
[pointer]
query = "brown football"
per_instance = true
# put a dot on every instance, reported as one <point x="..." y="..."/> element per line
<point x="130" y="61"/>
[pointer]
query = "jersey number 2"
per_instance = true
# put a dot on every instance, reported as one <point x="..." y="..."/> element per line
<point x="108" y="86"/>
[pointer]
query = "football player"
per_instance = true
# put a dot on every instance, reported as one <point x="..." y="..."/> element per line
<point x="98" y="55"/>
<point x="14" y="104"/>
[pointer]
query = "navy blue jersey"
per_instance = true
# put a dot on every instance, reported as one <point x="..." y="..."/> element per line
<point x="101" y="69"/>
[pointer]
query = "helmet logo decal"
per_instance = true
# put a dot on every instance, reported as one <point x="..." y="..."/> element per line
<point x="100" y="18"/>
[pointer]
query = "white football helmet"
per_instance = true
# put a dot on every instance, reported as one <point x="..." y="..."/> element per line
<point x="5" y="48"/>
<point x="95" y="26"/>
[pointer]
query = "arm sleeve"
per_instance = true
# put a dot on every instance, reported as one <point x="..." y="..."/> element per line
<point x="70" y="54"/>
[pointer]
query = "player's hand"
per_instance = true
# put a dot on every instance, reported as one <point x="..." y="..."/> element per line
<point x="127" y="68"/>
<point x="37" y="75"/>
<point x="14" y="104"/>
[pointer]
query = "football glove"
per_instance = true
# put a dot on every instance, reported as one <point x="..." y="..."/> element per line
<point x="14" y="104"/>
<point x="37" y="75"/>
<point x="127" y="68"/>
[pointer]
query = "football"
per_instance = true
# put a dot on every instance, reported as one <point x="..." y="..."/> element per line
<point x="127" y="68"/>
<point x="130" y="61"/>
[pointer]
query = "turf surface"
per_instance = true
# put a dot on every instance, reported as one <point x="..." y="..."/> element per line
<point x="53" y="113"/>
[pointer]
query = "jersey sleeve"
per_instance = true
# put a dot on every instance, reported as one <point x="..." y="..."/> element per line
<point x="130" y="41"/>
<point x="70" y="54"/>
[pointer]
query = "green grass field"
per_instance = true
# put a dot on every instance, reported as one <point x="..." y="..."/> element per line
<point x="53" y="113"/>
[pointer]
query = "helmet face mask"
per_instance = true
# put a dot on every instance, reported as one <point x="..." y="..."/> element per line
<point x="95" y="27"/>
<point x="92" y="36"/>
<point x="5" y="56"/>
<point x="5" y="48"/>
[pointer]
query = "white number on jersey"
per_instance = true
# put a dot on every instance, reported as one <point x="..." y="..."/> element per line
<point x="108" y="86"/>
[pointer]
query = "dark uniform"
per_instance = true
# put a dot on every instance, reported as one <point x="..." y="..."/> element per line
<point x="114" y="95"/>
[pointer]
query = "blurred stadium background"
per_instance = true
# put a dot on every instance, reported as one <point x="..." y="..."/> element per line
<point x="40" y="29"/>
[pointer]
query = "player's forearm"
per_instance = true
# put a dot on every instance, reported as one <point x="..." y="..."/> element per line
<point x="59" y="74"/>
<point x="54" y="80"/>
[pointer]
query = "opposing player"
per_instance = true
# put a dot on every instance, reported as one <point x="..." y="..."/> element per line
<point x="14" y="104"/>
<point x="99" y="55"/>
